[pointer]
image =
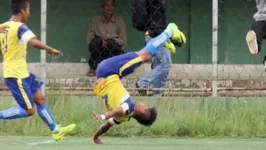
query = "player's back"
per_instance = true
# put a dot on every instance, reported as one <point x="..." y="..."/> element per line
<point x="14" y="49"/>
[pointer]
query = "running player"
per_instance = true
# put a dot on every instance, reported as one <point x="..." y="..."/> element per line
<point x="110" y="89"/>
<point x="25" y="87"/>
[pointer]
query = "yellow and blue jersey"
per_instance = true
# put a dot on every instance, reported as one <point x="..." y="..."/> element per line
<point x="114" y="95"/>
<point x="111" y="90"/>
<point x="13" y="45"/>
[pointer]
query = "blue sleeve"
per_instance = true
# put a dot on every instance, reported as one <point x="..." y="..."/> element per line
<point x="21" y="30"/>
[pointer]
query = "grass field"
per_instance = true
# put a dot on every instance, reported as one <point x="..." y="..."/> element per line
<point x="30" y="143"/>
<point x="238" y="120"/>
<point x="177" y="117"/>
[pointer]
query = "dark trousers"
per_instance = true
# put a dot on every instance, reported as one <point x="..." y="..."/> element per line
<point x="152" y="17"/>
<point x="98" y="53"/>
<point x="259" y="27"/>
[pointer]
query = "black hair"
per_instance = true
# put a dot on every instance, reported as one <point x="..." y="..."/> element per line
<point x="18" y="5"/>
<point x="104" y="1"/>
<point x="147" y="122"/>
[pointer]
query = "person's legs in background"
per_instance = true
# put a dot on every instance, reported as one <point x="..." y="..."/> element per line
<point x="157" y="78"/>
<point x="164" y="65"/>
<point x="113" y="48"/>
<point x="95" y="55"/>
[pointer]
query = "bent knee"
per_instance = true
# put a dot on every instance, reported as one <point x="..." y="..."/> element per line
<point x="144" y="55"/>
<point x="39" y="99"/>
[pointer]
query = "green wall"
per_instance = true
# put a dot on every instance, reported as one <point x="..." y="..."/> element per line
<point x="68" y="22"/>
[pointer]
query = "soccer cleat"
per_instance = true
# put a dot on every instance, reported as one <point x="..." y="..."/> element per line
<point x="63" y="131"/>
<point x="176" y="33"/>
<point x="170" y="46"/>
<point x="252" y="42"/>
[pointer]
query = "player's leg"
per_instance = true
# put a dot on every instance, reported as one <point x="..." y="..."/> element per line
<point x="255" y="36"/>
<point x="45" y="113"/>
<point x="21" y="92"/>
<point x="152" y="46"/>
<point x="133" y="60"/>
<point x="146" y="81"/>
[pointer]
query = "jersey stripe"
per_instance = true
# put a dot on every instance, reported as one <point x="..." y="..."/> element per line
<point x="24" y="95"/>
<point x="21" y="30"/>
<point x="127" y="106"/>
<point x="129" y="64"/>
<point x="26" y="37"/>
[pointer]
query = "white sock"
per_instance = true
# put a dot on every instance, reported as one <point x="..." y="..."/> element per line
<point x="56" y="130"/>
<point x="169" y="32"/>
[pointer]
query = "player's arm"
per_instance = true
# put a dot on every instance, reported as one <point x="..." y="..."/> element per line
<point x="26" y="36"/>
<point x="39" y="45"/>
<point x="126" y="108"/>
<point x="3" y="28"/>
<point x="103" y="129"/>
<point x="110" y="114"/>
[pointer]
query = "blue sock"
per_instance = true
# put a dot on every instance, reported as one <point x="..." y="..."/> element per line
<point x="154" y="44"/>
<point x="13" y="113"/>
<point x="46" y="116"/>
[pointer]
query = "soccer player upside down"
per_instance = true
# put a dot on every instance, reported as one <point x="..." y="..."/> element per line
<point x="110" y="89"/>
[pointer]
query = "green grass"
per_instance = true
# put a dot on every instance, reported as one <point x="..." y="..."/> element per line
<point x="193" y="117"/>
<point x="25" y="143"/>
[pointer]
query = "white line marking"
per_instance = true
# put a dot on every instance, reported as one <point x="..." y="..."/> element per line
<point x="41" y="143"/>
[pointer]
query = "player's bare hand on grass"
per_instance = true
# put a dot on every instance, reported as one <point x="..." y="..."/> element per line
<point x="98" y="117"/>
<point x="97" y="140"/>
<point x="56" y="53"/>
<point x="3" y="28"/>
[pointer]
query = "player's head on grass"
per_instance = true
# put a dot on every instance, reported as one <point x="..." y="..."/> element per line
<point x="144" y="115"/>
<point x="21" y="9"/>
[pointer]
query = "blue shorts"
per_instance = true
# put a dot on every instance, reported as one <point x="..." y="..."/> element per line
<point x="23" y="90"/>
<point x="121" y="65"/>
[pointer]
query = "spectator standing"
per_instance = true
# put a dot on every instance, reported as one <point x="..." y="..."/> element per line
<point x="153" y="20"/>
<point x="157" y="78"/>
<point x="106" y="36"/>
